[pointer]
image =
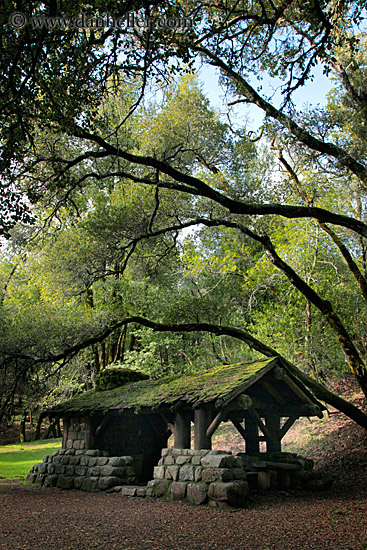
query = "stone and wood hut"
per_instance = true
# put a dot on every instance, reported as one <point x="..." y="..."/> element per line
<point x="261" y="399"/>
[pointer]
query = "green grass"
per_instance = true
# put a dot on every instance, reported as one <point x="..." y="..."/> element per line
<point x="17" y="460"/>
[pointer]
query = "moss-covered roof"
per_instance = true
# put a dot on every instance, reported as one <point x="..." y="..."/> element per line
<point x="217" y="384"/>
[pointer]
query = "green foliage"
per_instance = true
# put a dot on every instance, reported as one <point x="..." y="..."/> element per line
<point x="115" y="376"/>
<point x="115" y="169"/>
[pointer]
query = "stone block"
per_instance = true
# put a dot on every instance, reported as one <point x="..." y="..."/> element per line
<point x="115" y="489"/>
<point x="36" y="466"/>
<point x="84" y="460"/>
<point x="62" y="451"/>
<point x="167" y="460"/>
<point x="180" y="452"/>
<point x="31" y="478"/>
<point x="65" y="482"/>
<point x="78" y="482"/>
<point x="177" y="490"/>
<point x="95" y="471"/>
<point x="51" y="481"/>
<point x="51" y="468"/>
<point x="107" y="482"/>
<point x="59" y="469"/>
<point x="193" y="452"/>
<point x="218" y="461"/>
<point x="196" y="460"/>
<point x="92" y="461"/>
<point x="238" y="473"/>
<point x="69" y="444"/>
<point x="197" y="493"/>
<point x="118" y="461"/>
<point x="40" y="478"/>
<point x="102" y="461"/>
<point x="127" y="491"/>
<point x="198" y="473"/>
<point x="91" y="452"/>
<point x="56" y="452"/>
<point x="74" y="460"/>
<point x="70" y="470"/>
<point x="112" y="471"/>
<point x="141" y="491"/>
<point x="42" y="468"/>
<point x="181" y="460"/>
<point x="77" y="445"/>
<point x="159" y="487"/>
<point x="70" y="452"/>
<point x="187" y="473"/>
<point x="219" y="452"/>
<point x="65" y="460"/>
<point x="56" y="460"/>
<point x="80" y="470"/>
<point x="158" y="472"/>
<point x="235" y="493"/>
<point x="79" y="453"/>
<point x="46" y="458"/>
<point x="90" y="484"/>
<point x="172" y="472"/>
<point x="166" y="451"/>
<point x="216" y="474"/>
<point x="128" y="460"/>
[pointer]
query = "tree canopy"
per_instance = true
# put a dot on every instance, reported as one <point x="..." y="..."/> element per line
<point x="141" y="223"/>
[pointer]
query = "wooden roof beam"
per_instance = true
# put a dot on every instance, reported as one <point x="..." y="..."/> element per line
<point x="280" y="374"/>
<point x="241" y="402"/>
<point x="273" y="392"/>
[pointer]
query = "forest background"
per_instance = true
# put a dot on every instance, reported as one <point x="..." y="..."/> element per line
<point x="143" y="227"/>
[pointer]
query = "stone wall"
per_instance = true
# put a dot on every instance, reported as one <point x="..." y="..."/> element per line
<point x="90" y="470"/>
<point x="129" y="434"/>
<point x="221" y="480"/>
<point x="216" y="478"/>
<point x="76" y="433"/>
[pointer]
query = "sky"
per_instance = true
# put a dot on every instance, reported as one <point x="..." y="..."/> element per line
<point x="313" y="93"/>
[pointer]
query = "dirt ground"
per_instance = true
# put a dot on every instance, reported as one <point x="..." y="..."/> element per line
<point x="50" y="519"/>
<point x="33" y="518"/>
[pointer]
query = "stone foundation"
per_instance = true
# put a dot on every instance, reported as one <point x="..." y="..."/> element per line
<point x="91" y="470"/>
<point x="222" y="480"/>
<point x="216" y="478"/>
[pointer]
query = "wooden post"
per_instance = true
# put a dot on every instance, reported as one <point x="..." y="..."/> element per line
<point x="252" y="436"/>
<point x="202" y="420"/>
<point x="182" y="433"/>
<point x="273" y="424"/>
